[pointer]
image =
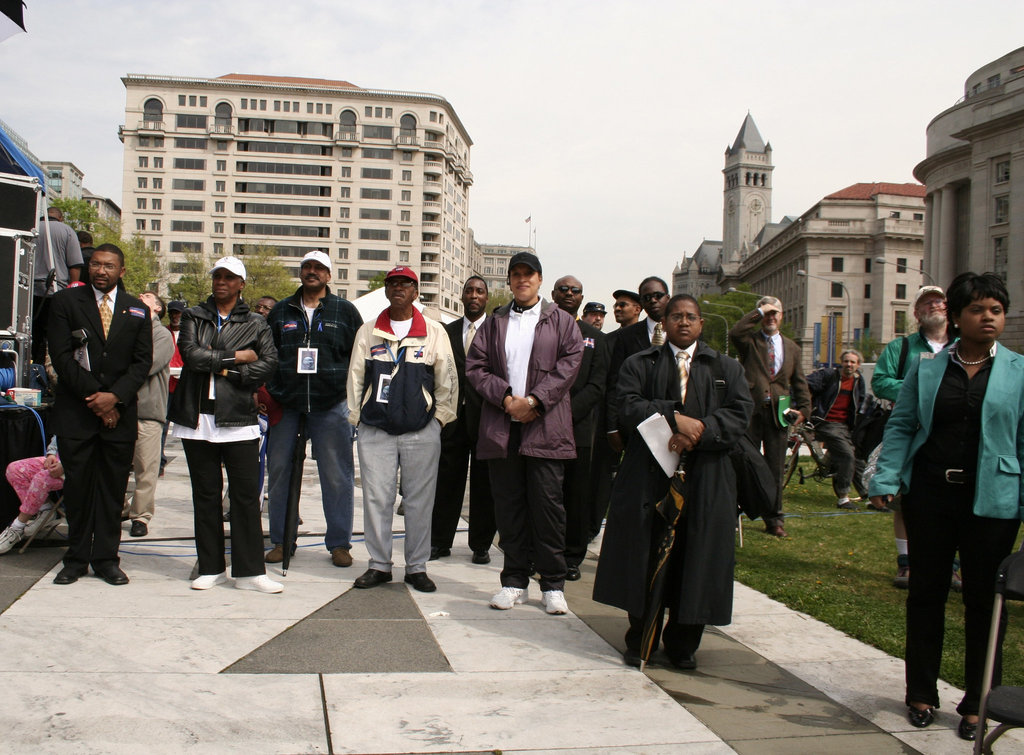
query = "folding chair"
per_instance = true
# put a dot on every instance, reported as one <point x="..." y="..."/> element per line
<point x="49" y="521"/>
<point x="1004" y="705"/>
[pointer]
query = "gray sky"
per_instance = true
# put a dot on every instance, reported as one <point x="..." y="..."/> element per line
<point x="607" y="122"/>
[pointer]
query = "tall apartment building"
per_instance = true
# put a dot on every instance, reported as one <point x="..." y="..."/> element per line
<point x="375" y="178"/>
<point x="63" y="180"/>
<point x="974" y="172"/>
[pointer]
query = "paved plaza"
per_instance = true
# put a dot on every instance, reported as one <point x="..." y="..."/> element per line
<point x="158" y="668"/>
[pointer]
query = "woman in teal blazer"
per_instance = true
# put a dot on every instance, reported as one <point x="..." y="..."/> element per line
<point x="954" y="446"/>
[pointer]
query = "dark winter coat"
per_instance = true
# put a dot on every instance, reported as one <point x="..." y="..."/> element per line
<point x="648" y="384"/>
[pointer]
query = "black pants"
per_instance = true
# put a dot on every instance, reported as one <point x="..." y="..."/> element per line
<point x="577" y="490"/>
<point x="40" y="324"/>
<point x="764" y="429"/>
<point x="95" y="478"/>
<point x="241" y="461"/>
<point x="940" y="521"/>
<point x="604" y="464"/>
<point x="458" y="456"/>
<point x="531" y="518"/>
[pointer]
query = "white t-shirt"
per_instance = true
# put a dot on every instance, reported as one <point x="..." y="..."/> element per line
<point x="401" y="328"/>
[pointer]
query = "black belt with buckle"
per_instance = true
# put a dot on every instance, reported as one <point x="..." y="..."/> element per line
<point x="958" y="476"/>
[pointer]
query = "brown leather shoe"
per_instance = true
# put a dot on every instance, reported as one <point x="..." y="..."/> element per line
<point x="275" y="555"/>
<point x="341" y="557"/>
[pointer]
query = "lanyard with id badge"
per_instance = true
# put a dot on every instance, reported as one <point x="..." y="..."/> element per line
<point x="308" y="356"/>
<point x="384" y="381"/>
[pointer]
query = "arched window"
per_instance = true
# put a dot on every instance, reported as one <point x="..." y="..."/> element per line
<point x="223" y="114"/>
<point x="748" y="178"/>
<point x="348" y="120"/>
<point x="408" y="124"/>
<point x="764" y="179"/>
<point x="153" y="110"/>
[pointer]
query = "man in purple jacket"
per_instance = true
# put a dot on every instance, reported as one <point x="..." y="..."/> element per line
<point x="523" y="362"/>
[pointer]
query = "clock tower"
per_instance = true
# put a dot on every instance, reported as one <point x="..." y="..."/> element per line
<point x="748" y="191"/>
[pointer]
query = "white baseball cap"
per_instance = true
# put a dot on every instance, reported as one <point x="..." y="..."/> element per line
<point x="231" y="264"/>
<point x="316" y="256"/>
<point x="925" y="290"/>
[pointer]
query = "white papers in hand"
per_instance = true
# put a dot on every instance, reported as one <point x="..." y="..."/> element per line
<point x="656" y="433"/>
<point x="82" y="357"/>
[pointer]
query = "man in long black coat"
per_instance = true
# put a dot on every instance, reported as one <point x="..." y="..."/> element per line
<point x="706" y="424"/>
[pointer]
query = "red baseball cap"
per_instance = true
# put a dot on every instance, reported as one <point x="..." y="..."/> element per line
<point x="403" y="272"/>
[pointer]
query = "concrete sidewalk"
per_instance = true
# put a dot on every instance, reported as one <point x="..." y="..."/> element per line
<point x="156" y="667"/>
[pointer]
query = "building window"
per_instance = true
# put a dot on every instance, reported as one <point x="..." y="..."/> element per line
<point x="140" y="225"/>
<point x="837" y="264"/>
<point x="403" y="236"/>
<point x="867" y="322"/>
<point x="406" y="215"/>
<point x="1002" y="171"/>
<point x="188" y="184"/>
<point x="380" y="173"/>
<point x="368" y="213"/>
<point x="867" y="290"/>
<point x="1002" y="209"/>
<point x="221" y="186"/>
<point x="918" y="216"/>
<point x="143" y="161"/>
<point x="158" y="162"/>
<point x="346" y="171"/>
<point x="374" y="193"/>
<point x="378" y="132"/>
<point x="222" y="165"/>
<point x="901" y="264"/>
<point x="406" y="196"/>
<point x="380" y="255"/>
<point x="158" y="183"/>
<point x="143" y="182"/>
<point x="154" y="225"/>
<point x="345" y="192"/>
<point x="152" y="112"/>
<point x="189" y="163"/>
<point x="406" y="175"/>
<point x="899" y="322"/>
<point x="188" y="205"/>
<point x="218" y="249"/>
<point x="190" y="121"/>
<point x="218" y="227"/>
<point x="140" y="203"/>
<point x="901" y="290"/>
<point x="342" y="252"/>
<point x="343" y="233"/>
<point x="187" y="226"/>
<point x="867" y="264"/>
<point x="403" y="256"/>
<point x="143" y="141"/>
<point x="154" y="246"/>
<point x="374" y="234"/>
<point x="343" y="213"/>
<point x="368" y="111"/>
<point x="1000" y="249"/>
<point x="218" y="207"/>
<point x="157" y="204"/>
<point x="836" y="291"/>
<point x="181" y="100"/>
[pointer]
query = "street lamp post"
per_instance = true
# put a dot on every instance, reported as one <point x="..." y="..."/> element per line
<point x="734" y="290"/>
<point x="717" y="304"/>
<point x="725" y="328"/>
<point x="884" y="261"/>
<point x="849" y="302"/>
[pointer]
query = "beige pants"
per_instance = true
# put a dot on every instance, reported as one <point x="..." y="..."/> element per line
<point x="147" y="469"/>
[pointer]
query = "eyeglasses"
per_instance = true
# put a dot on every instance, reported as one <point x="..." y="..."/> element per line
<point x="678" y="317"/>
<point x="566" y="289"/>
<point x="108" y="266"/>
<point x="398" y="282"/>
<point x="652" y="296"/>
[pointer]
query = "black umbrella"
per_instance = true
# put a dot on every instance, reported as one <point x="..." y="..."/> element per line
<point x="291" y="512"/>
<point x="666" y="515"/>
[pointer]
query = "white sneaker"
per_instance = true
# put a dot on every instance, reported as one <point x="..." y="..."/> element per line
<point x="11" y="537"/>
<point x="261" y="583"/>
<point x="554" y="602"/>
<point x="206" y="581"/>
<point x="36" y="524"/>
<point x="507" y="597"/>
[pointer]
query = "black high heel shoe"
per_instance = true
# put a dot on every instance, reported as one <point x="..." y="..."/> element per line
<point x="920" y="717"/>
<point x="967" y="730"/>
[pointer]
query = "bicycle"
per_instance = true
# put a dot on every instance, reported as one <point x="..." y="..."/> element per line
<point x="799" y="436"/>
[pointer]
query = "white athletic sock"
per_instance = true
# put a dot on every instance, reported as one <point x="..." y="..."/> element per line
<point x="901" y="547"/>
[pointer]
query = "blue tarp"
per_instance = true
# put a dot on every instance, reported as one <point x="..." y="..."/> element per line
<point x="13" y="160"/>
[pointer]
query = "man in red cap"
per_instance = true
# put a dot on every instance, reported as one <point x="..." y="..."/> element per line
<point x="403" y="388"/>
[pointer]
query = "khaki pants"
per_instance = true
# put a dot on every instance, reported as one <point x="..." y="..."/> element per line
<point x="147" y="469"/>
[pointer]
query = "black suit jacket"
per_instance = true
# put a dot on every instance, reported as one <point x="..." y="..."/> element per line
<point x="469" y="399"/>
<point x="628" y="341"/>
<point x="119" y="362"/>
<point x="587" y="391"/>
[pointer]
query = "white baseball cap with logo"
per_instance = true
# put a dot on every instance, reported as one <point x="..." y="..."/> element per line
<point x="317" y="256"/>
<point x="231" y="264"/>
<point x="925" y="290"/>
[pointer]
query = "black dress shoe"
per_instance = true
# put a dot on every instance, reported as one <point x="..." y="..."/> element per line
<point x="684" y="662"/>
<point x="920" y="718"/>
<point x="372" y="578"/>
<point x="436" y="552"/>
<point x="632" y="657"/>
<point x="111" y="574"/>
<point x="139" y="529"/>
<point x="481" y="557"/>
<point x="420" y="581"/>
<point x="967" y="730"/>
<point x="572" y="572"/>
<point x="68" y="575"/>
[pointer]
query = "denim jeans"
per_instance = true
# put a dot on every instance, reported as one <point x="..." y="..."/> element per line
<point x="332" y="446"/>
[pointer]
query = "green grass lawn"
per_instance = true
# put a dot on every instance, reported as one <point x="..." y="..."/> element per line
<point x="838" y="567"/>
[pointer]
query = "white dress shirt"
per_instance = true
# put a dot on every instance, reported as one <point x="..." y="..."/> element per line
<point x="519" y="346"/>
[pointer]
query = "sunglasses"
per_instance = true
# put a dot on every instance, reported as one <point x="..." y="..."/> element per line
<point x="653" y="296"/>
<point x="566" y="289"/>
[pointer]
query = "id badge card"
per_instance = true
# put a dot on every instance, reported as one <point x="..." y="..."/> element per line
<point x="307" y="361"/>
<point x="383" y="389"/>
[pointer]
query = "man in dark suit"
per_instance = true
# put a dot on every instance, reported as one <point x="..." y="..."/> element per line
<point x="101" y="345"/>
<point x="458" y="446"/>
<point x="630" y="340"/>
<point x="586" y="395"/>
<point x="772" y="366"/>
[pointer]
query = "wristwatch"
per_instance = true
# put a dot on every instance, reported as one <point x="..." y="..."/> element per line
<point x="532" y="402"/>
